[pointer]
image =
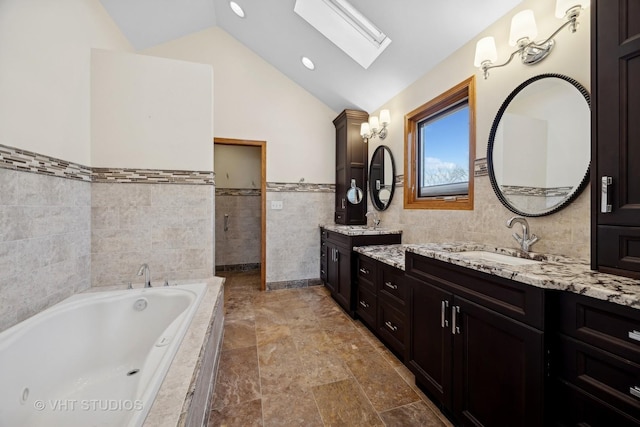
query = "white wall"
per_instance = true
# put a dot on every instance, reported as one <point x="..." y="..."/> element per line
<point x="237" y="166"/>
<point x="252" y="100"/>
<point x="45" y="50"/>
<point x="152" y="113"/>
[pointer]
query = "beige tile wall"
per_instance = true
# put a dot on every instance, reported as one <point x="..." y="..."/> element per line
<point x="168" y="226"/>
<point x="293" y="234"/>
<point x="44" y="242"/>
<point x="566" y="232"/>
<point x="240" y="244"/>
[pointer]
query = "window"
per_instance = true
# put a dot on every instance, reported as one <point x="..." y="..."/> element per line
<point x="440" y="151"/>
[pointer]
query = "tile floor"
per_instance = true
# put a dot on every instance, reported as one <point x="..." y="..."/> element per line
<point x="294" y="358"/>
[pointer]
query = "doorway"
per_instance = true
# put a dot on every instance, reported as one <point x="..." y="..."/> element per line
<point x="241" y="183"/>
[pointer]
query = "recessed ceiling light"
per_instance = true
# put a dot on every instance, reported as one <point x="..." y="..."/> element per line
<point x="308" y="63"/>
<point x="236" y="9"/>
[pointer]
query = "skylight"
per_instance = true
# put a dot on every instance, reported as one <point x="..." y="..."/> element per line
<point x="346" y="27"/>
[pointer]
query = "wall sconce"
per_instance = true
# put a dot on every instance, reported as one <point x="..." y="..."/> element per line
<point x="372" y="128"/>
<point x="522" y="34"/>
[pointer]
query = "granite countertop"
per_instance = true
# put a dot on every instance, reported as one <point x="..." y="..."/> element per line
<point x="359" y="230"/>
<point x="554" y="272"/>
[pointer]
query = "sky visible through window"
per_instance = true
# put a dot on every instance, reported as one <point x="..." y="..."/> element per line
<point x="444" y="148"/>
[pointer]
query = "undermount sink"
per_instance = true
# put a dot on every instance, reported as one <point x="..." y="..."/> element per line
<point x="499" y="258"/>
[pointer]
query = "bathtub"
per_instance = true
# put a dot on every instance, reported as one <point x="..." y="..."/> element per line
<point x="94" y="359"/>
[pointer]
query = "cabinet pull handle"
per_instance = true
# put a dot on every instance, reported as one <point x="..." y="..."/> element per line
<point x="342" y="203"/>
<point x="391" y="326"/>
<point x="391" y="285"/>
<point x="364" y="271"/>
<point x="364" y="304"/>
<point x="635" y="391"/>
<point x="455" y="329"/>
<point x="443" y="314"/>
<point x="605" y="206"/>
<point x="337" y="255"/>
<point x="634" y="335"/>
<point x="322" y="272"/>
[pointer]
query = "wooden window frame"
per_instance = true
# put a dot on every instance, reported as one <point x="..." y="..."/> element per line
<point x="463" y="90"/>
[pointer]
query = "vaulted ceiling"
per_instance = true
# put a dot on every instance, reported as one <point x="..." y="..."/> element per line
<point x="423" y="33"/>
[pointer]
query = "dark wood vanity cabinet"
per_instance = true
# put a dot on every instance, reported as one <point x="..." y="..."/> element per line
<point x="338" y="263"/>
<point x="351" y="164"/>
<point x="597" y="372"/>
<point x="476" y="343"/>
<point x="382" y="303"/>
<point x="615" y="185"/>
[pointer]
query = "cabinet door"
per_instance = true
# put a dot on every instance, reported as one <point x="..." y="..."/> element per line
<point x="616" y="63"/>
<point x="343" y="288"/>
<point x="430" y="337"/>
<point x="332" y="267"/>
<point x="498" y="370"/>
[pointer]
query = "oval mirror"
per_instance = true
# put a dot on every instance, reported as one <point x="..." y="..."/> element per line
<point x="540" y="145"/>
<point x="354" y="194"/>
<point x="382" y="172"/>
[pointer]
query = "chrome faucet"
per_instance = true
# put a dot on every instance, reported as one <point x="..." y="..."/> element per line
<point x="376" y="219"/>
<point x="144" y="268"/>
<point x="525" y="241"/>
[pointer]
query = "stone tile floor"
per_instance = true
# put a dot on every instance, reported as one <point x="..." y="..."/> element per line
<point x="294" y="358"/>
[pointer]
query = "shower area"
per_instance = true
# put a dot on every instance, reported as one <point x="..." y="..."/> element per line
<point x="238" y="207"/>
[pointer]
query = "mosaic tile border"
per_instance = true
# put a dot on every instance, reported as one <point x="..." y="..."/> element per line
<point x="480" y="167"/>
<point x="238" y="191"/>
<point x="151" y="176"/>
<point x="300" y="187"/>
<point x="517" y="190"/>
<point x="28" y="161"/>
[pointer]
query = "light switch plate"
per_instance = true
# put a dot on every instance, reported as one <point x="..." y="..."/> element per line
<point x="276" y="204"/>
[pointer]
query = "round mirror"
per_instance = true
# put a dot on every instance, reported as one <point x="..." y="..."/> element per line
<point x="382" y="172"/>
<point x="540" y="145"/>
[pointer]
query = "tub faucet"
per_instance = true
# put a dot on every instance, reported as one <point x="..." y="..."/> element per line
<point x="376" y="219"/>
<point x="144" y="268"/>
<point x="525" y="240"/>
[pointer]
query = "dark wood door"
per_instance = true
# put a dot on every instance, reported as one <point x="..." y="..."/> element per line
<point x="430" y="339"/>
<point x="332" y="267"/>
<point x="341" y="172"/>
<point x="616" y="135"/>
<point x="343" y="289"/>
<point x="498" y="368"/>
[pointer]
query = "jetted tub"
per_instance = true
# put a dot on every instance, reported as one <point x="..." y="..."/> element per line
<point x="94" y="359"/>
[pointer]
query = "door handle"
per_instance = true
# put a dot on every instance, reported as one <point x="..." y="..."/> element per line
<point x="605" y="206"/>
<point x="455" y="310"/>
<point x="443" y="314"/>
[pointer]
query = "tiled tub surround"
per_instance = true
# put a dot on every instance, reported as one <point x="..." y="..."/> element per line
<point x="555" y="272"/>
<point x="45" y="241"/>
<point x="169" y="227"/>
<point x="293" y="247"/>
<point x="238" y="247"/>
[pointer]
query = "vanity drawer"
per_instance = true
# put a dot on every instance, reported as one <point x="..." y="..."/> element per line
<point x="393" y="287"/>
<point x="610" y="378"/>
<point x="609" y="326"/>
<point x="367" y="272"/>
<point x="578" y="408"/>
<point x="366" y="307"/>
<point x="392" y="328"/>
